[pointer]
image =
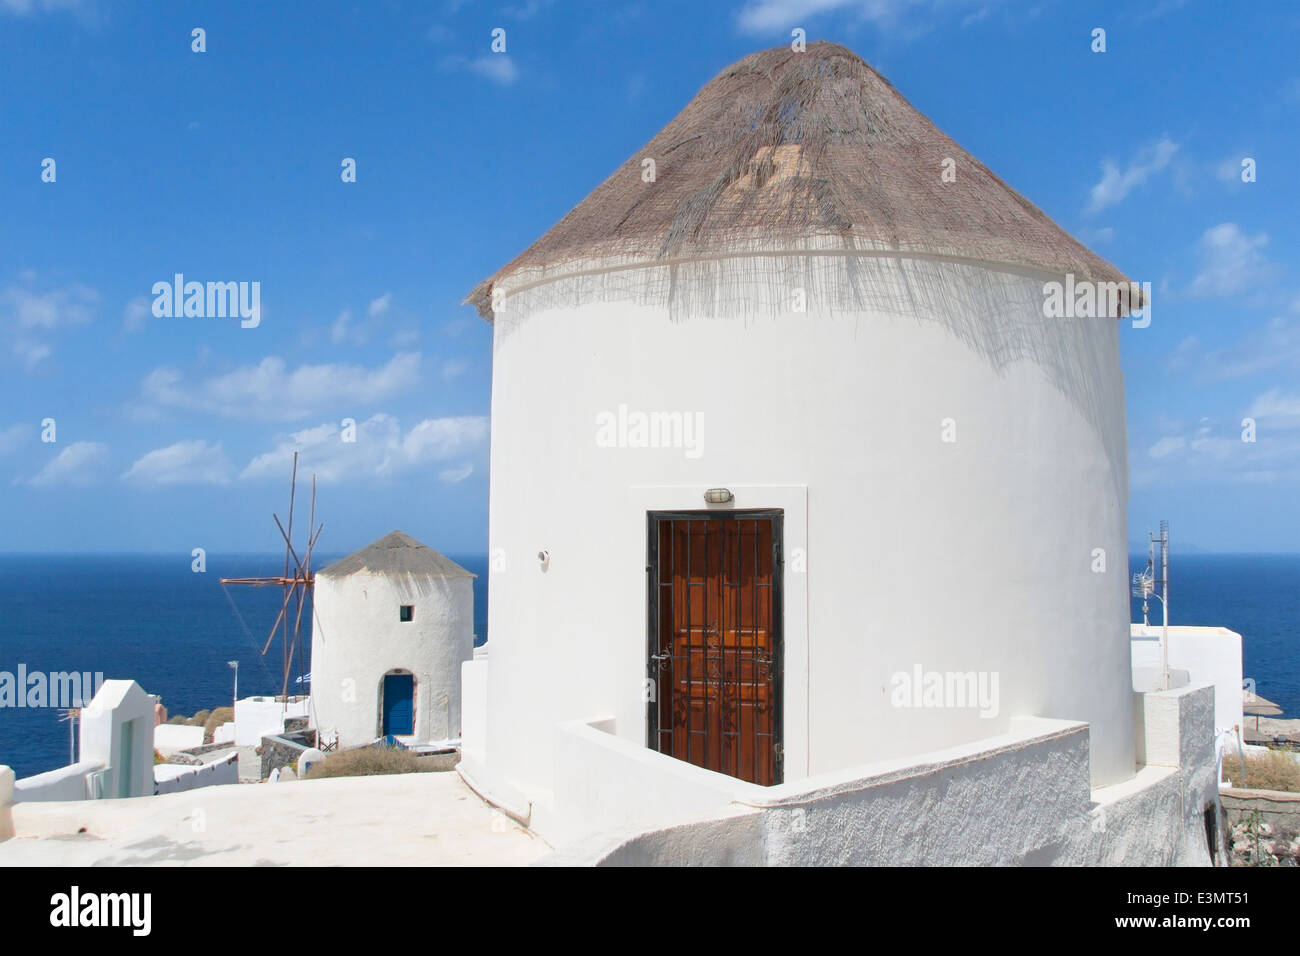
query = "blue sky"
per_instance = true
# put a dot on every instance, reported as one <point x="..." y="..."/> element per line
<point x="175" y="433"/>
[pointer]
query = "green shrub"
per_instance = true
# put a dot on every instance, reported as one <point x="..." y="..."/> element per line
<point x="178" y="719"/>
<point x="199" y="719"/>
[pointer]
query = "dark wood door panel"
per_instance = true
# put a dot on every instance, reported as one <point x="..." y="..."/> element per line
<point x="714" y="648"/>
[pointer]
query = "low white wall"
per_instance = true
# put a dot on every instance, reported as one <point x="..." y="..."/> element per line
<point x="121" y="707"/>
<point x="1209" y="655"/>
<point x="1021" y="798"/>
<point x="6" y="801"/>
<point x="473" y="706"/>
<point x="258" y="717"/>
<point x="174" y="778"/>
<point x="64" y="783"/>
<point x="605" y="783"/>
<point x="171" y="739"/>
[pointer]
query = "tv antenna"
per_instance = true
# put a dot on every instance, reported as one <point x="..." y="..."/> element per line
<point x="1153" y="582"/>
<point x="71" y="716"/>
<point x="296" y="586"/>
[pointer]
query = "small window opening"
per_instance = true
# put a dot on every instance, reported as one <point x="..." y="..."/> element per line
<point x="407" y="612"/>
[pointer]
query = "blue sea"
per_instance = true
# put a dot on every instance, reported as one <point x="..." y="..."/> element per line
<point x="150" y="618"/>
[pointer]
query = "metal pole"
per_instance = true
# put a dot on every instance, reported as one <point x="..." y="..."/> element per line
<point x="1164" y="581"/>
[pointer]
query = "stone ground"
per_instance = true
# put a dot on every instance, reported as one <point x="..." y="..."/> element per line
<point x="250" y="765"/>
<point x="414" y="819"/>
<point x="1272" y="725"/>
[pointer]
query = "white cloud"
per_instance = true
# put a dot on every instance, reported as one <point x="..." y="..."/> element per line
<point x="135" y="314"/>
<point x="25" y="7"/>
<point x="184" y="463"/>
<point x="344" y="331"/>
<point x="527" y="9"/>
<point x="31" y="353"/>
<point x="1275" y="344"/>
<point x="1231" y="261"/>
<point x="1163" y="8"/>
<point x="1116" y="183"/>
<point x="12" y="437"/>
<point x="1229" y="170"/>
<point x="453" y="475"/>
<point x="773" y="16"/>
<point x="1167" y="446"/>
<point x="27" y="316"/>
<point x="436" y="439"/>
<point x="75" y="465"/>
<point x="497" y="67"/>
<point x="270" y="391"/>
<point x="1214" y="451"/>
<point x="46" y="311"/>
<point x="765" y="16"/>
<point x="381" y="449"/>
<point x="1276" y="409"/>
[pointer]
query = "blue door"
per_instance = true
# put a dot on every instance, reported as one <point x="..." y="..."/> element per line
<point x="399" y="704"/>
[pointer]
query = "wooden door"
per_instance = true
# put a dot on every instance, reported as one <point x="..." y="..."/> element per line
<point x="399" y="705"/>
<point x="714" y="663"/>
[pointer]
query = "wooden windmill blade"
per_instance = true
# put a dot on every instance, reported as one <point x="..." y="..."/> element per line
<point x="278" y="618"/>
<point x="295" y="585"/>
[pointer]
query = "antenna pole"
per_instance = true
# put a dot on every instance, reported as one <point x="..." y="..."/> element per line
<point x="1164" y="599"/>
<point x="1146" y="590"/>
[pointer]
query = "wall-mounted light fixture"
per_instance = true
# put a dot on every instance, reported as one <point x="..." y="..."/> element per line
<point x="545" y="558"/>
<point x="718" y="496"/>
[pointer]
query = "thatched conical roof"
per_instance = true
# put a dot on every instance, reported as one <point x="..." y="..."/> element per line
<point x="786" y="149"/>
<point x="396" y="553"/>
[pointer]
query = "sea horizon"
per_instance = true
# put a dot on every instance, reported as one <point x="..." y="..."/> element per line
<point x="145" y="615"/>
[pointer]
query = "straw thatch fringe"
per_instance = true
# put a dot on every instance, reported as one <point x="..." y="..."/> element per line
<point x="787" y="149"/>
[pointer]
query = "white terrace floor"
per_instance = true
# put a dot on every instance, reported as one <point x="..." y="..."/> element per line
<point x="415" y="819"/>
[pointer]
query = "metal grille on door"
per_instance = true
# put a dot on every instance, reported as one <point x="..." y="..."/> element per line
<point x="714" y="661"/>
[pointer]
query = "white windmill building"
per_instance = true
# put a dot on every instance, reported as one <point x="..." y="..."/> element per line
<point x="391" y="625"/>
<point x="780" y="435"/>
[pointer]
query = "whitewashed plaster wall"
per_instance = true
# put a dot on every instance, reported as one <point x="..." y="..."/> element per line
<point x="1019" y="799"/>
<point x="173" y="778"/>
<point x="119" y="703"/>
<point x="62" y="783"/>
<point x="357" y="638"/>
<point x="258" y="717"/>
<point x="975" y="555"/>
<point x="1209" y="655"/>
